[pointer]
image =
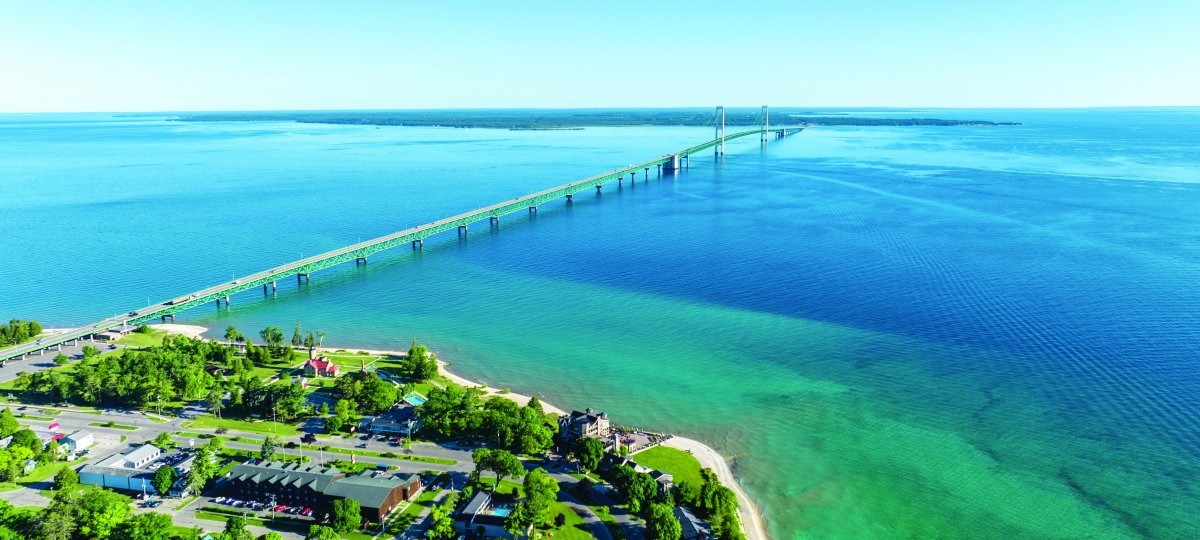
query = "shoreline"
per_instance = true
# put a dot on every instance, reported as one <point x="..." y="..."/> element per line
<point x="751" y="517"/>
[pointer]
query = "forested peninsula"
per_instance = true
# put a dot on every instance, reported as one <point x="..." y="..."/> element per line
<point x="557" y="119"/>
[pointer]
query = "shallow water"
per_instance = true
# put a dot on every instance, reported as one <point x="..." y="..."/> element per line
<point x="895" y="332"/>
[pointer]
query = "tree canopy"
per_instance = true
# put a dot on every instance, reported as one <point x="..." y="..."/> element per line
<point x="347" y="515"/>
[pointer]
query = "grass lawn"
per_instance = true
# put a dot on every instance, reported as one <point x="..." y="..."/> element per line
<point x="138" y="339"/>
<point x="265" y="427"/>
<point x="679" y="464"/>
<point x="24" y="416"/>
<point x="113" y="425"/>
<point x="573" y="529"/>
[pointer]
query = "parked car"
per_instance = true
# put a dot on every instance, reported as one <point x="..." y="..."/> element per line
<point x="361" y="445"/>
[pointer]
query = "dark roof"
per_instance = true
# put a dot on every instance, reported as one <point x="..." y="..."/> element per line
<point x="691" y="527"/>
<point x="278" y="473"/>
<point x="370" y="490"/>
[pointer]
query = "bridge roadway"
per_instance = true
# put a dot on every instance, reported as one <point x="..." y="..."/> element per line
<point x="360" y="251"/>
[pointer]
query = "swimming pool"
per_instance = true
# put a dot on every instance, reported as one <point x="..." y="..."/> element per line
<point x="415" y="399"/>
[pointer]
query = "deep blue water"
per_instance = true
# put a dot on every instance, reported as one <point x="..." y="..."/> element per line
<point x="896" y="332"/>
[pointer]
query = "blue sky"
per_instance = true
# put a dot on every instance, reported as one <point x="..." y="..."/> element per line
<point x="239" y="55"/>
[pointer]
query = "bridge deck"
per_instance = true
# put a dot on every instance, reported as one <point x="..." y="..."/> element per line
<point x="364" y="249"/>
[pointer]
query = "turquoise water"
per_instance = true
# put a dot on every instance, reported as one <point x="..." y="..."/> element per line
<point x="895" y="332"/>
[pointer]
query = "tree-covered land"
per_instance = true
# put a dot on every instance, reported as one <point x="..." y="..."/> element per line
<point x="17" y="331"/>
<point x="534" y="119"/>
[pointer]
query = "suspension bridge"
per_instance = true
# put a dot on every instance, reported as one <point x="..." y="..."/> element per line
<point x="667" y="164"/>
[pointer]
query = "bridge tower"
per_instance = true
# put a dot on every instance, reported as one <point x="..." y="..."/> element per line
<point x="766" y="123"/>
<point x="719" y="128"/>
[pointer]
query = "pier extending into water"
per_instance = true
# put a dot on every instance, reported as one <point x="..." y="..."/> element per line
<point x="414" y="236"/>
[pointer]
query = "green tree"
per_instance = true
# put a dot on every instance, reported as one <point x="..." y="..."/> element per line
<point x="451" y="411"/>
<point x="61" y="359"/>
<point x="297" y="336"/>
<point x="375" y="394"/>
<point x="145" y="526"/>
<point x="164" y="477"/>
<point x="505" y="465"/>
<point x="164" y="441"/>
<point x="441" y="523"/>
<point x="347" y="515"/>
<point x="27" y="439"/>
<point x="333" y="424"/>
<point x="321" y="532"/>
<point x="323" y="409"/>
<point x="272" y="535"/>
<point x="540" y="493"/>
<point x="268" y="448"/>
<point x="8" y="423"/>
<point x="66" y="479"/>
<point x="419" y="364"/>
<point x="99" y="511"/>
<point x="273" y="337"/>
<point x="310" y="342"/>
<point x="662" y="524"/>
<point x="215" y="399"/>
<point x="90" y="351"/>
<point x="235" y="529"/>
<point x="589" y="451"/>
<point x="345" y="409"/>
<point x="231" y="334"/>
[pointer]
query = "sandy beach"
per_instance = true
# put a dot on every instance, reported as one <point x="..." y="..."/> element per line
<point x="189" y="330"/>
<point x="752" y="521"/>
<point x="751" y="518"/>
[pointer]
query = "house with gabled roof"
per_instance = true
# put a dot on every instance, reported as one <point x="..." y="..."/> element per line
<point x="320" y="367"/>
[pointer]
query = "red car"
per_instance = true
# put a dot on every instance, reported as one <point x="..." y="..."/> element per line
<point x="280" y="508"/>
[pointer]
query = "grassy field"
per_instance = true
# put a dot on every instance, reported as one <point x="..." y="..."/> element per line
<point x="679" y="464"/>
<point x="265" y="427"/>
<point x="137" y="339"/>
<point x="573" y="529"/>
<point x="40" y="474"/>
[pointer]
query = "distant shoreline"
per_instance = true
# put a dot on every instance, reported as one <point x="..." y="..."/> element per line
<point x="574" y="120"/>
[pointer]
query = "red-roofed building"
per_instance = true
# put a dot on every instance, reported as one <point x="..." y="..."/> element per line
<point x="320" y="367"/>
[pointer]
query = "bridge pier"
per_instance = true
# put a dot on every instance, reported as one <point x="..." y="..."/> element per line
<point x="646" y="177"/>
<point x="272" y="285"/>
<point x="225" y="298"/>
<point x="301" y="278"/>
<point x="569" y="199"/>
<point x="620" y="179"/>
<point x="533" y="210"/>
<point x="168" y="316"/>
<point x="598" y="189"/>
<point x="360" y="260"/>
<point x="494" y="221"/>
<point x="41" y="352"/>
<point x="418" y="244"/>
<point x="462" y="230"/>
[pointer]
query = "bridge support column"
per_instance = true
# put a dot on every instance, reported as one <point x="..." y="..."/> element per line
<point x="302" y="278"/>
<point x="60" y="346"/>
<point x="646" y="176"/>
<point x="569" y="199"/>
<point x="418" y="244"/>
<point x="494" y="221"/>
<point x="462" y="230"/>
<point x="671" y="165"/>
<point x="360" y="260"/>
<point x="533" y="210"/>
<point x="41" y="352"/>
<point x="598" y="189"/>
<point x="168" y="316"/>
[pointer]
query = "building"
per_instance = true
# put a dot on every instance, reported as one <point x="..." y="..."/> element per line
<point x="316" y="487"/>
<point x="693" y="529"/>
<point x="123" y="471"/>
<point x="664" y="481"/>
<point x="484" y="517"/>
<point x="400" y="420"/>
<point x="588" y="423"/>
<point x="78" y="440"/>
<point x="320" y="367"/>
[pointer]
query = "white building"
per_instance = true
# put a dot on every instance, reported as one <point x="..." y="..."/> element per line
<point x="123" y="471"/>
<point x="78" y="440"/>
